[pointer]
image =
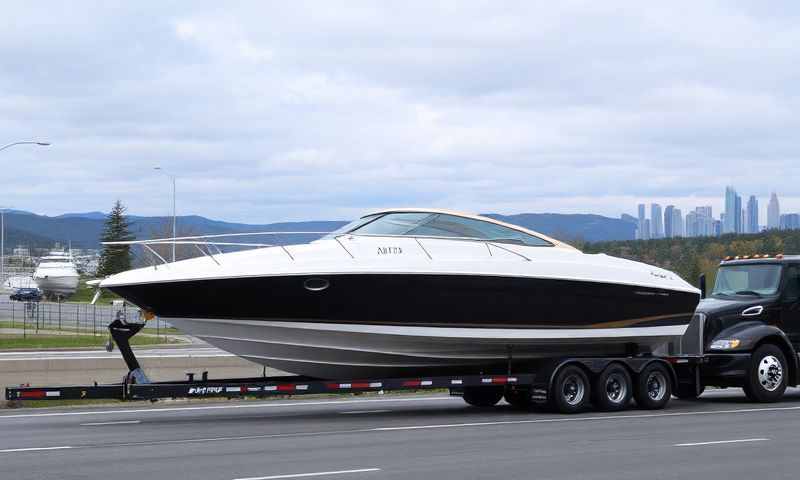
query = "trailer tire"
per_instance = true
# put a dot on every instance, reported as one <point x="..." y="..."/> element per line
<point x="482" y="396"/>
<point x="766" y="376"/>
<point x="612" y="390"/>
<point x="653" y="387"/>
<point x="571" y="390"/>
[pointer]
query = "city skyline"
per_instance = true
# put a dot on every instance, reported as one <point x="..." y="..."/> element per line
<point x="736" y="217"/>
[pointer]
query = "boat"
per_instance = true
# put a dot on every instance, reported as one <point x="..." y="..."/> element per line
<point x="56" y="274"/>
<point x="405" y="291"/>
<point x="16" y="282"/>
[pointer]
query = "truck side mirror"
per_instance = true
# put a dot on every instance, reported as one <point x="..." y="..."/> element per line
<point x="703" y="286"/>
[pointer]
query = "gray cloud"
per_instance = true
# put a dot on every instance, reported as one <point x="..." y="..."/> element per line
<point x="276" y="111"/>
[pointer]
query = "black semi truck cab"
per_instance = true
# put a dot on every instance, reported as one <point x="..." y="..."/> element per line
<point x="752" y="330"/>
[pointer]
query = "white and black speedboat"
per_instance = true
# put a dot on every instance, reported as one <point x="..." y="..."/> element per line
<point x="401" y="291"/>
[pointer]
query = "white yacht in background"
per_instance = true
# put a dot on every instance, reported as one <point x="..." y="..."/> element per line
<point x="16" y="282"/>
<point x="56" y="274"/>
<point x="408" y="290"/>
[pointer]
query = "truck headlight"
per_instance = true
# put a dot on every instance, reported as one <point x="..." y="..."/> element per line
<point x="725" y="344"/>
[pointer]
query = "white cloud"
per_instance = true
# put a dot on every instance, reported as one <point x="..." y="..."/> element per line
<point x="270" y="111"/>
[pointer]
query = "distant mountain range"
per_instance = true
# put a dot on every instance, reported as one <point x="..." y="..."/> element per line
<point x="83" y="230"/>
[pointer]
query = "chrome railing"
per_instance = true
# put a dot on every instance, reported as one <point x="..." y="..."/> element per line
<point x="205" y="243"/>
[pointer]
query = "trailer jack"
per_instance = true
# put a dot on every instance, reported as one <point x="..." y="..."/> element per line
<point x="122" y="332"/>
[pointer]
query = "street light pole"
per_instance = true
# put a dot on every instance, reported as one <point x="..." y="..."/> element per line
<point x="2" y="244"/>
<point x="174" y="211"/>
<point x="9" y="145"/>
<point x="3" y="213"/>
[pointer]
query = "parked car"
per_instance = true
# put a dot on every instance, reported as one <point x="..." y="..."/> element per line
<point x="26" y="295"/>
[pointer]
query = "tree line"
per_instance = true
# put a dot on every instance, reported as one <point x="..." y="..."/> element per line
<point x="691" y="257"/>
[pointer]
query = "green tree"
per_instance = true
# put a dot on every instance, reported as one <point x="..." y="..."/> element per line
<point x="115" y="258"/>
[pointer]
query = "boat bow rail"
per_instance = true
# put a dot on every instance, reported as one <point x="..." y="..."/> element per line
<point x="210" y="246"/>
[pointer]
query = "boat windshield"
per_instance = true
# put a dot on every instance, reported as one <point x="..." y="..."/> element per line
<point x="351" y="226"/>
<point x="442" y="225"/>
<point x="747" y="280"/>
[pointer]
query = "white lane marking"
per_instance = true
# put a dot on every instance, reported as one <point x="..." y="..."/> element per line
<point x="121" y="422"/>
<point x="315" y="474"/>
<point x="358" y="412"/>
<point x="34" y="449"/>
<point x="720" y="442"/>
<point x="225" y="407"/>
<point x="414" y="427"/>
<point x="580" y="419"/>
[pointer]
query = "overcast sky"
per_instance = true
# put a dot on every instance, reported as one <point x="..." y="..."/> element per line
<point x="323" y="110"/>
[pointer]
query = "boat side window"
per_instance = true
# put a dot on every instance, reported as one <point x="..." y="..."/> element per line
<point x="443" y="225"/>
<point x="792" y="291"/>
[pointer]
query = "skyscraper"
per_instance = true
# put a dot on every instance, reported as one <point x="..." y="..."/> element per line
<point x="752" y="215"/>
<point x="790" y="221"/>
<point x="656" y="226"/>
<point x="739" y="227"/>
<point x="731" y="213"/>
<point x="677" y="223"/>
<point x="668" y="221"/>
<point x="640" y="226"/>
<point x="705" y="221"/>
<point x="773" y="212"/>
<point x="692" y="225"/>
<point x="646" y="229"/>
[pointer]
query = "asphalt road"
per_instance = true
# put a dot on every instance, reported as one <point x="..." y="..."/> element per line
<point x="719" y="437"/>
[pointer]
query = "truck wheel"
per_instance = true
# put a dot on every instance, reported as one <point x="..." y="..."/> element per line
<point x="766" y="377"/>
<point x="613" y="389"/>
<point x="519" y="399"/>
<point x="571" y="390"/>
<point x="653" y="387"/>
<point x="482" y="396"/>
<point x="688" y="392"/>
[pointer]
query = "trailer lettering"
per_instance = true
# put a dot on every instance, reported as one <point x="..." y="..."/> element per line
<point x="204" y="390"/>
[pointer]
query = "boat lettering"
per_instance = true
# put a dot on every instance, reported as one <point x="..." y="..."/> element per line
<point x="390" y="251"/>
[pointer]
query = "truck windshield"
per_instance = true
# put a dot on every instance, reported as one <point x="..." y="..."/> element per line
<point x="755" y="280"/>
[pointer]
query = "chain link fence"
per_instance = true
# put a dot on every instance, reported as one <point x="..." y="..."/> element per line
<point x="79" y="318"/>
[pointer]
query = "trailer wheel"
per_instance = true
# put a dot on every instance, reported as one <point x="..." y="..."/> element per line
<point x="653" y="387"/>
<point x="613" y="389"/>
<point x="571" y="391"/>
<point x="519" y="399"/>
<point x="482" y="396"/>
<point x="766" y="377"/>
